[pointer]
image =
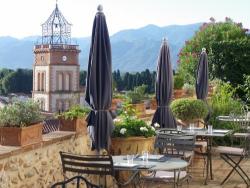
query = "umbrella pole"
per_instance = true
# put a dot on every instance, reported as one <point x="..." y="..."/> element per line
<point x="102" y="178"/>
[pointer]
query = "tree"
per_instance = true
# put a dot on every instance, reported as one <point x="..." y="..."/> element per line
<point x="217" y="38"/>
<point x="16" y="81"/>
<point x="83" y="76"/>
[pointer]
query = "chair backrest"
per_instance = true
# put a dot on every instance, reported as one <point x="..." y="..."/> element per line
<point x="87" y="164"/>
<point x="71" y="182"/>
<point x="175" y="144"/>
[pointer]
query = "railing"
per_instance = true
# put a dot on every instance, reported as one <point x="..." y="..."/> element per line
<point x="56" y="46"/>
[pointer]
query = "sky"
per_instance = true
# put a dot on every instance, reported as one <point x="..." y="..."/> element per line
<point x="22" y="18"/>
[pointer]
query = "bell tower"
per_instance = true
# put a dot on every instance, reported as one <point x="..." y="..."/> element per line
<point x="56" y="66"/>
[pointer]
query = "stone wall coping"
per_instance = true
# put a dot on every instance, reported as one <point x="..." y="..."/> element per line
<point x="47" y="139"/>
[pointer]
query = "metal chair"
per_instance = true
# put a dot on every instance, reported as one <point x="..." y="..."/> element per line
<point x="76" y="180"/>
<point x="234" y="156"/>
<point x="174" y="144"/>
<point x="101" y="165"/>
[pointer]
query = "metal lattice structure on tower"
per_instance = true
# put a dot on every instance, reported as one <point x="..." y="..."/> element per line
<point x="56" y="30"/>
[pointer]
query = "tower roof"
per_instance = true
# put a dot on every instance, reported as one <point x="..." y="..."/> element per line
<point x="56" y="30"/>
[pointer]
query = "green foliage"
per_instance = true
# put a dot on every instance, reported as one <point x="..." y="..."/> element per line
<point x="189" y="109"/>
<point x="178" y="81"/>
<point x="137" y="95"/>
<point x="230" y="60"/>
<point x="83" y="76"/>
<point x="245" y="88"/>
<point x="222" y="102"/>
<point x="76" y="111"/>
<point x="133" y="127"/>
<point x="188" y="88"/>
<point x="128" y="125"/>
<point x="130" y="80"/>
<point x="20" y="114"/>
<point x="227" y="46"/>
<point x="15" y="81"/>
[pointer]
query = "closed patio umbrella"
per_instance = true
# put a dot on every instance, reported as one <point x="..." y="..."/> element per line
<point x="99" y="84"/>
<point x="164" y="89"/>
<point x="201" y="85"/>
<point x="202" y="76"/>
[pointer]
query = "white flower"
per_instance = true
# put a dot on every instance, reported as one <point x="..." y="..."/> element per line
<point x="123" y="131"/>
<point x="117" y="120"/>
<point x="152" y="128"/>
<point x="142" y="129"/>
<point x="157" y="125"/>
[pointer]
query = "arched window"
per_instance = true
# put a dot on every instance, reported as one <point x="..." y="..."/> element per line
<point x="38" y="82"/>
<point x="60" y="82"/>
<point x="42" y="82"/>
<point x="67" y="82"/>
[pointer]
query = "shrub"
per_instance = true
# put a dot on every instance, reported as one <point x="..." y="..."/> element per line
<point x="222" y="102"/>
<point x="178" y="81"/>
<point x="189" y="109"/>
<point x="188" y="88"/>
<point x="137" y="95"/>
<point x="20" y="114"/>
<point x="75" y="112"/>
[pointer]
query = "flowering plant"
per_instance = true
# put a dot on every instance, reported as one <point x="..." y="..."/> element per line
<point x="128" y="125"/>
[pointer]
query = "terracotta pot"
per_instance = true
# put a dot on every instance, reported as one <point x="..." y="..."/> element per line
<point x="15" y="136"/>
<point x="153" y="104"/>
<point x="178" y="93"/>
<point x="197" y="122"/>
<point x="131" y="145"/>
<point x="140" y="108"/>
<point x="76" y="125"/>
<point x="116" y="103"/>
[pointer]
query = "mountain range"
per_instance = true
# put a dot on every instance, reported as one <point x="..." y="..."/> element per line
<point x="132" y="50"/>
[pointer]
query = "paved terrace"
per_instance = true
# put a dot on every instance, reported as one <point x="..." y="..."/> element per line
<point x="220" y="168"/>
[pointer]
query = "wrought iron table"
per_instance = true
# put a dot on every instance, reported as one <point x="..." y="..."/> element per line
<point x="171" y="164"/>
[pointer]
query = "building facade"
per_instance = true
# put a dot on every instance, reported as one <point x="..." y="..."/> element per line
<point x="56" y="68"/>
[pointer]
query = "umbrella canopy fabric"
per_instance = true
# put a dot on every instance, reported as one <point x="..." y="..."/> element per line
<point x="164" y="89"/>
<point x="99" y="84"/>
<point x="202" y="76"/>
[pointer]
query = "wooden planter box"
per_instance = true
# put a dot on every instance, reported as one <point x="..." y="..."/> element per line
<point x="15" y="136"/>
<point x="131" y="145"/>
<point x="76" y="125"/>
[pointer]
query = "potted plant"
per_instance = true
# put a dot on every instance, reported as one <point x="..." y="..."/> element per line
<point x="20" y="123"/>
<point x="74" y="119"/>
<point x="136" y="98"/>
<point x="131" y="135"/>
<point x="189" y="110"/>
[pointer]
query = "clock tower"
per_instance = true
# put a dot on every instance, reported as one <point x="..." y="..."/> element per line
<point x="56" y="66"/>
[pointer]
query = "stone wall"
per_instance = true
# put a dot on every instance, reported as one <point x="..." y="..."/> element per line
<point x="39" y="165"/>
